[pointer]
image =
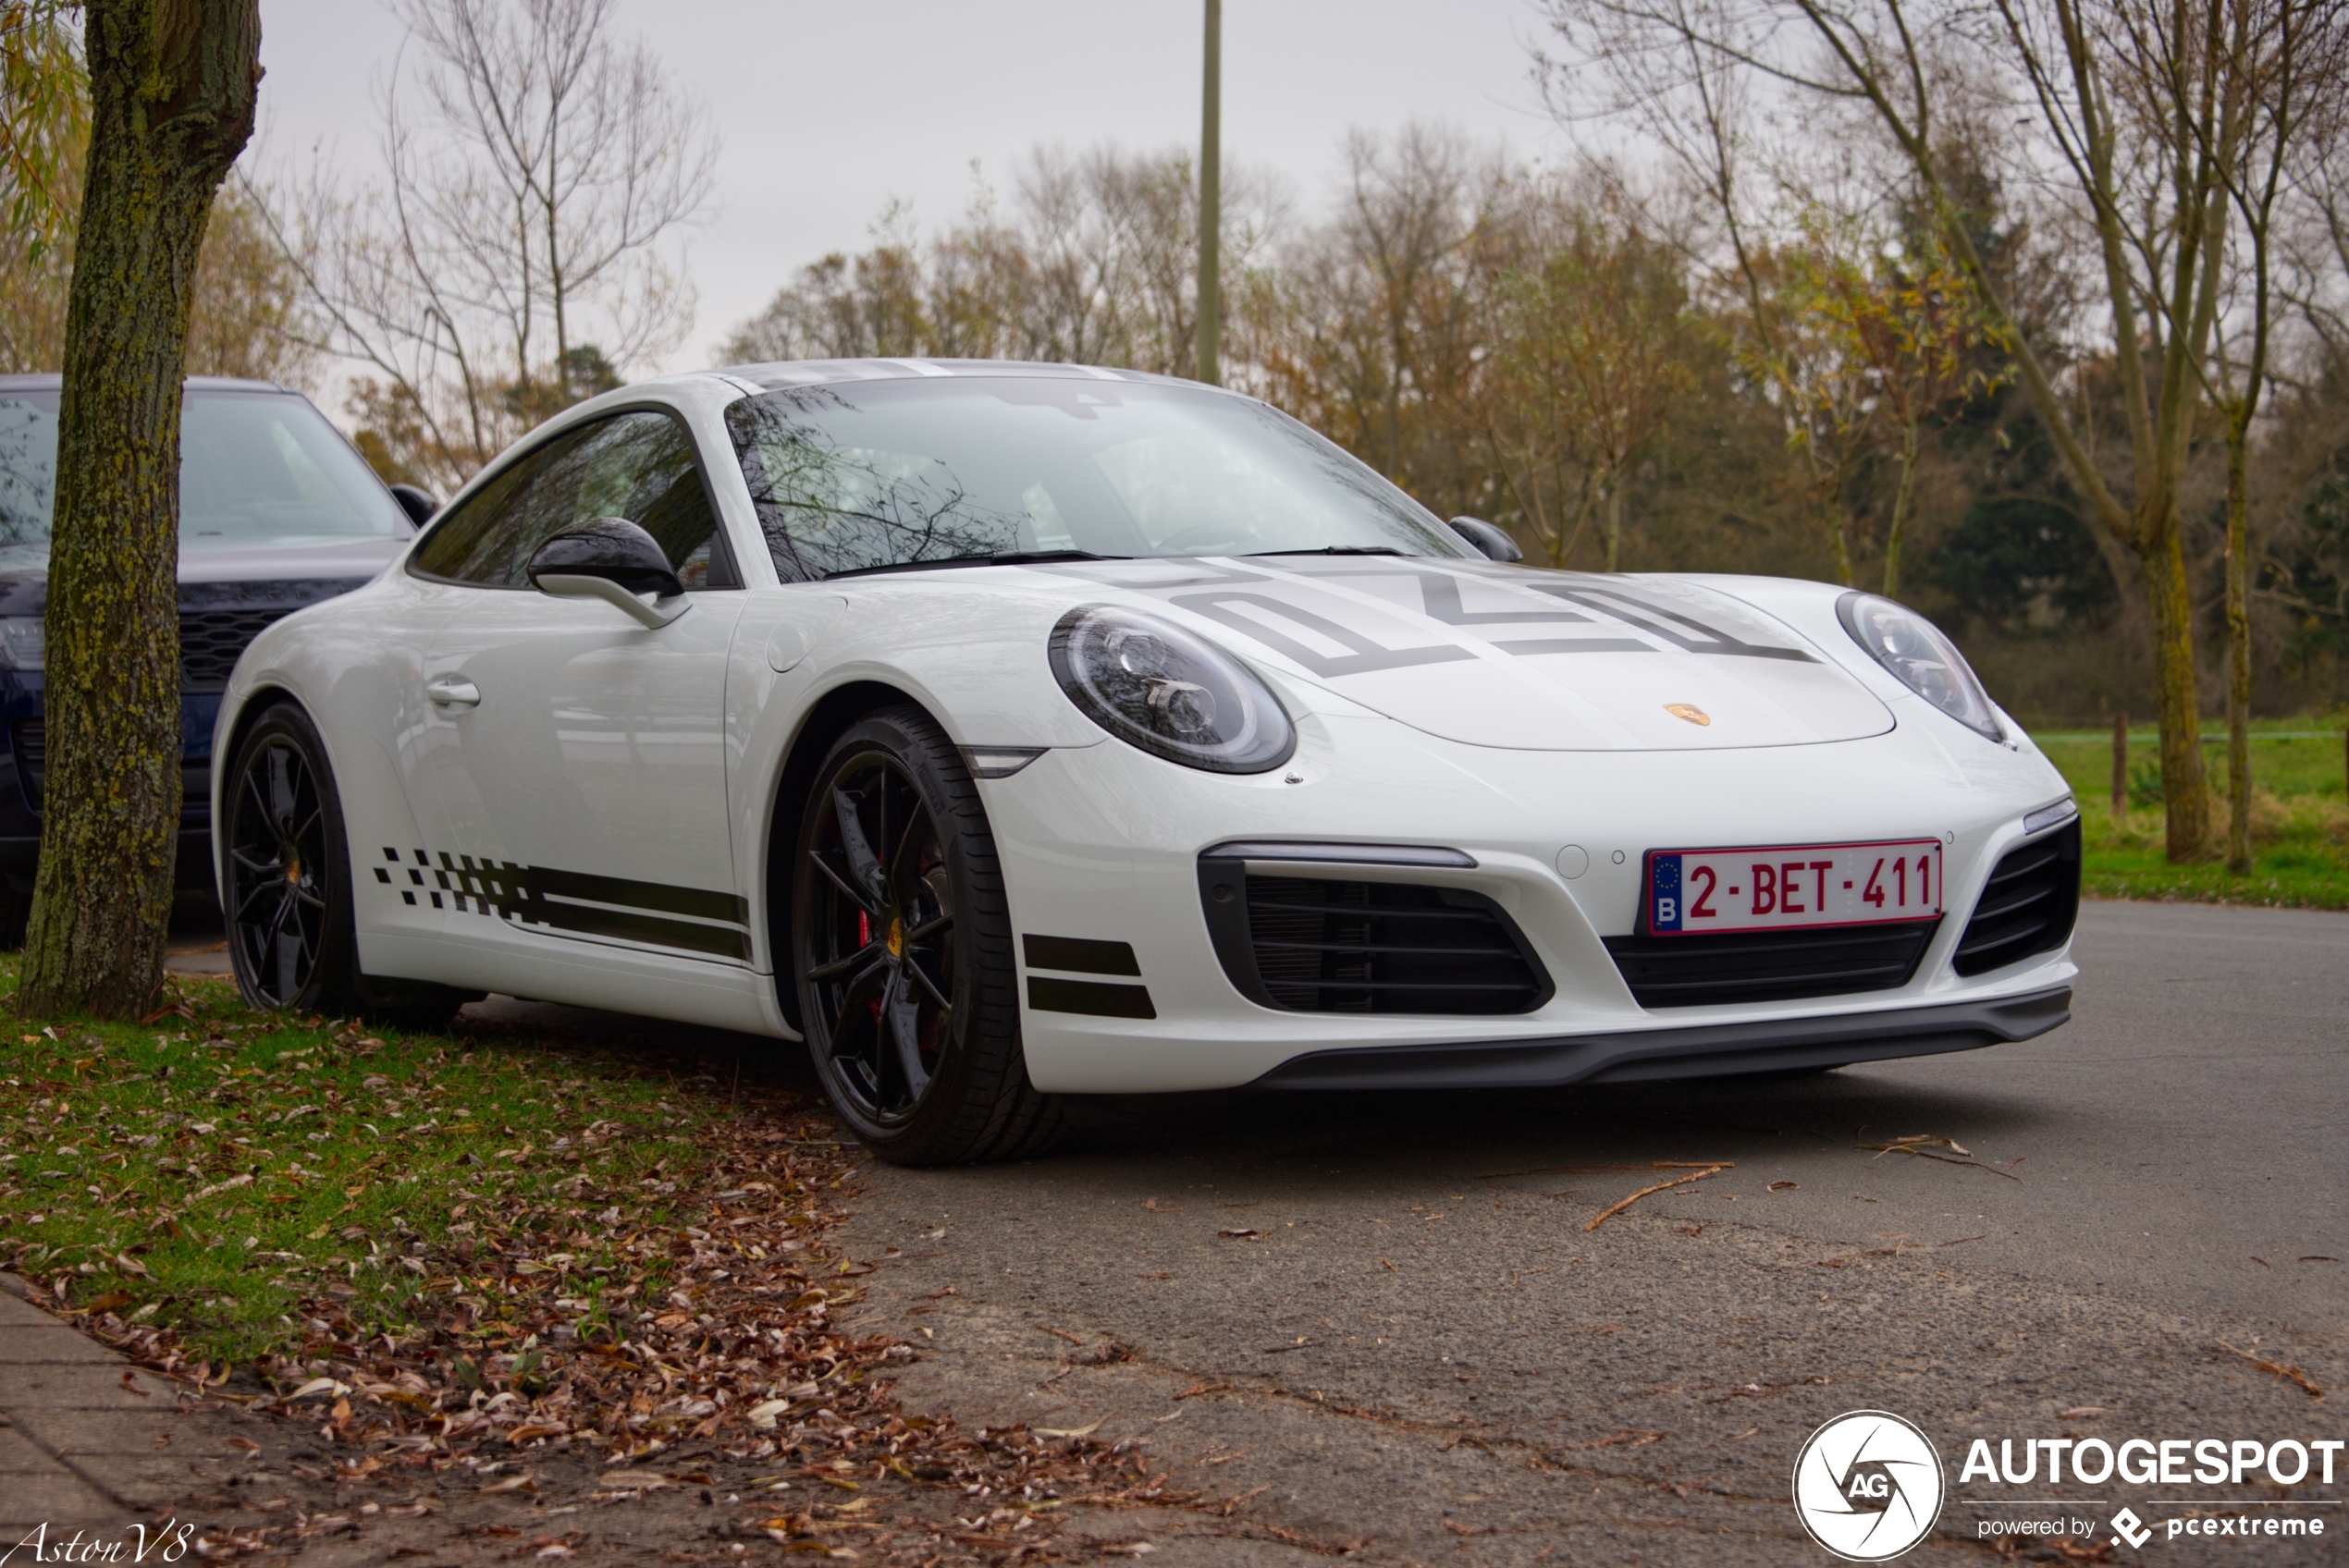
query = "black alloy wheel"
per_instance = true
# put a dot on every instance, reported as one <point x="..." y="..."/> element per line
<point x="903" y="951"/>
<point x="286" y="884"/>
<point x="280" y="868"/>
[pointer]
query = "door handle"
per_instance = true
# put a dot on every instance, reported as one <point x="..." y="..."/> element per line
<point x="449" y="692"/>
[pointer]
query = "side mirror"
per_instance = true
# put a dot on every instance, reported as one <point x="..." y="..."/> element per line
<point x="418" y="504"/>
<point x="612" y="559"/>
<point x="1496" y="545"/>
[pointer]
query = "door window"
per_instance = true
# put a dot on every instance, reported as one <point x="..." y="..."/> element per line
<point x="639" y="466"/>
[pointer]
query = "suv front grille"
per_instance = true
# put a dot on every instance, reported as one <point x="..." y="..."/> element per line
<point x="211" y="641"/>
<point x="32" y="738"/>
<point x="1311" y="944"/>
<point x="1763" y="967"/>
<point x="219" y="620"/>
<point x="2028" y="906"/>
<point x="32" y="757"/>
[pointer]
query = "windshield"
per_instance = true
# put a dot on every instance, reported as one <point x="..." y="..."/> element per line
<point x="885" y="473"/>
<point x="256" y="467"/>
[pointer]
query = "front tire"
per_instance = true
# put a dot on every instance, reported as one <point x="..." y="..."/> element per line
<point x="902" y="952"/>
<point x="287" y="888"/>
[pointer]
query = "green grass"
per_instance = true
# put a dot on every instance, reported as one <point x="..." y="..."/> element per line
<point x="211" y="1169"/>
<point x="2299" y="818"/>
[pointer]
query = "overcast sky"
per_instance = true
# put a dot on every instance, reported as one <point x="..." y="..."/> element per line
<point x="826" y="109"/>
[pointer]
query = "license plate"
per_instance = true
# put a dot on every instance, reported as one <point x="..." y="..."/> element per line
<point x="1697" y="890"/>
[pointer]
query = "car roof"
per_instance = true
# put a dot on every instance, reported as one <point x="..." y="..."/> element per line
<point x="780" y="374"/>
<point x="50" y="381"/>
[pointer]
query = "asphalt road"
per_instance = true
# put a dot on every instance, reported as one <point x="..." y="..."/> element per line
<point x="1380" y="1323"/>
<point x="1414" y="1347"/>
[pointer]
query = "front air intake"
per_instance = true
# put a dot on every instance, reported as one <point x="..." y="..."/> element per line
<point x="1303" y="944"/>
<point x="1769" y="966"/>
<point x="2028" y="906"/>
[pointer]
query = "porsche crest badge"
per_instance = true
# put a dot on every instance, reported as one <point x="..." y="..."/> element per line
<point x="1689" y="711"/>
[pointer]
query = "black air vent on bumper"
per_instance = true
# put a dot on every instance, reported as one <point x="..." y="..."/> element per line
<point x="1310" y="944"/>
<point x="2029" y="906"/>
<point x="1769" y="966"/>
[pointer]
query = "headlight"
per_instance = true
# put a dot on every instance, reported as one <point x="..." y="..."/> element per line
<point x="1920" y="658"/>
<point x="1156" y="686"/>
<point x="23" y="645"/>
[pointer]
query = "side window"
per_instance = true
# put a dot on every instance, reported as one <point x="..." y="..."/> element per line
<point x="455" y="549"/>
<point x="639" y="466"/>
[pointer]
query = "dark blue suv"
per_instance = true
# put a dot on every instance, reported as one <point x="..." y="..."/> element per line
<point x="276" y="510"/>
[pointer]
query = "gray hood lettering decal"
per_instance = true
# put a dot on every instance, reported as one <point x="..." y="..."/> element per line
<point x="1510" y="657"/>
<point x="1365" y="656"/>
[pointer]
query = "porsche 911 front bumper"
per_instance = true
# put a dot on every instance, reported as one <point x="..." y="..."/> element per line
<point x="1125" y="990"/>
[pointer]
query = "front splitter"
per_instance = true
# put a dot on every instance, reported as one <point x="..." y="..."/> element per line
<point x="1712" y="1050"/>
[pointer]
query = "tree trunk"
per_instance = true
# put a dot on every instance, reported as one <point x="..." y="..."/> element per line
<point x="1614" y="522"/>
<point x="172" y="88"/>
<point x="2239" y="647"/>
<point x="2186" y="787"/>
<point x="1903" y="498"/>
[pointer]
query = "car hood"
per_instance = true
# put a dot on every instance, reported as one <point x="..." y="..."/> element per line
<point x="263" y="573"/>
<point x="1500" y="656"/>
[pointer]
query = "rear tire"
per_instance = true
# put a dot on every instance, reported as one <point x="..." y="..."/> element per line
<point x="902" y="952"/>
<point x="292" y="940"/>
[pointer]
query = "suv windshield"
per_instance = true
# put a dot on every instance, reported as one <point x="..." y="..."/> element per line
<point x="256" y="467"/>
<point x="887" y="474"/>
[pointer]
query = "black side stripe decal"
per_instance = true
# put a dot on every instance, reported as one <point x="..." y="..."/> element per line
<point x="1094" y="997"/>
<point x="1085" y="955"/>
<point x="699" y="902"/>
<point x="568" y="901"/>
<point x="590" y="920"/>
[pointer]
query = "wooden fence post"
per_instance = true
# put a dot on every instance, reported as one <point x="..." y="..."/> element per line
<point x="2120" y="766"/>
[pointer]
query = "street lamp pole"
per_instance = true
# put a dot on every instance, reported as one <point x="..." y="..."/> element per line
<point x="1211" y="198"/>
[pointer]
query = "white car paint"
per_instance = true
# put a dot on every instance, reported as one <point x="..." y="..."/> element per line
<point x="1437" y="702"/>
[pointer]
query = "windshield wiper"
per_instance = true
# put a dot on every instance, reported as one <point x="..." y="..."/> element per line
<point x="1335" y="550"/>
<point x="1001" y="557"/>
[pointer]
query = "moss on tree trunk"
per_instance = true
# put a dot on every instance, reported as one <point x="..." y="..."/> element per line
<point x="172" y="89"/>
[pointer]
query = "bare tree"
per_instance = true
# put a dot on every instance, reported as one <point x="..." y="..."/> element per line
<point x="1583" y="355"/>
<point x="1090" y="261"/>
<point x="510" y="256"/>
<point x="1369" y="332"/>
<point x="2146" y="188"/>
<point x="2287" y="63"/>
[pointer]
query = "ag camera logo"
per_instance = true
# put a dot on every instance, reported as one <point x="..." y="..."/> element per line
<point x="1867" y="1486"/>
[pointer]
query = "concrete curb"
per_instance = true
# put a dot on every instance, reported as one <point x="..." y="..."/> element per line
<point x="86" y="1437"/>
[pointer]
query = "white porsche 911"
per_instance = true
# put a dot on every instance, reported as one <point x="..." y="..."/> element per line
<point x="1008" y="731"/>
